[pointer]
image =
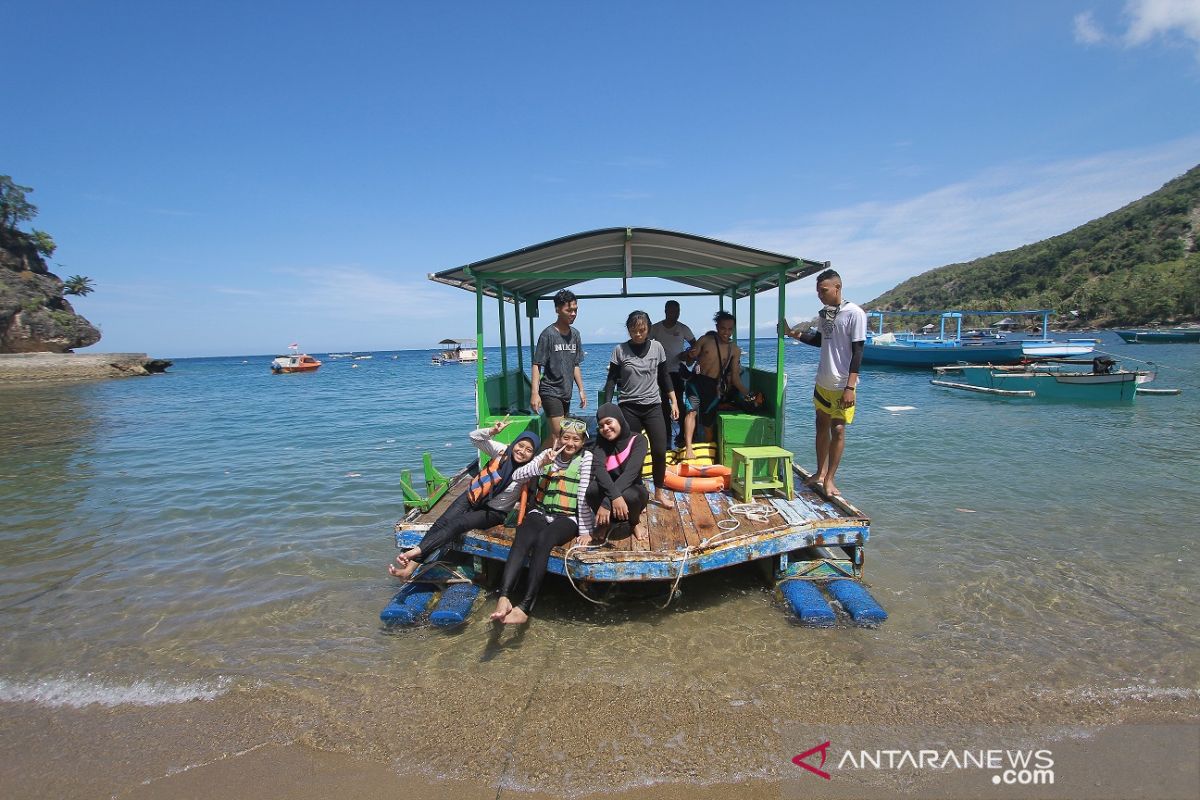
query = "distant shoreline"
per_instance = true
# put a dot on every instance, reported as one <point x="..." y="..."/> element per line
<point x="40" y="368"/>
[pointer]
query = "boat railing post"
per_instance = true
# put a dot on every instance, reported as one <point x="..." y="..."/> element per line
<point x="520" y="351"/>
<point x="752" y="330"/>
<point x="481" y="404"/>
<point x="780" y="373"/>
<point x="503" y="347"/>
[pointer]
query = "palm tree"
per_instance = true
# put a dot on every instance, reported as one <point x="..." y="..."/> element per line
<point x="78" y="285"/>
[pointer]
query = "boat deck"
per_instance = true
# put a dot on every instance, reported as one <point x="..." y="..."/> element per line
<point x="688" y="537"/>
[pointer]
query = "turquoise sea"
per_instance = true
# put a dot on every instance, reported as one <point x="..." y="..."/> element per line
<point x="217" y="537"/>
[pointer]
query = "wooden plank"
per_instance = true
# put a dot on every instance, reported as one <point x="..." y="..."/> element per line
<point x="703" y="520"/>
<point x="686" y="523"/>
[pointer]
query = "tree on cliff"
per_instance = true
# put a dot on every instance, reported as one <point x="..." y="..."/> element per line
<point x="14" y="208"/>
<point x="78" y="285"/>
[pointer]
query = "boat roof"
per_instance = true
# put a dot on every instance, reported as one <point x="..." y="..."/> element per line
<point x="622" y="253"/>
<point x="470" y="342"/>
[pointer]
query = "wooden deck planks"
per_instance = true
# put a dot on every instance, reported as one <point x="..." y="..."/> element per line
<point x="704" y="524"/>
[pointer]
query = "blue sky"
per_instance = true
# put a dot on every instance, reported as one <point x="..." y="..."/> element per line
<point x="238" y="176"/>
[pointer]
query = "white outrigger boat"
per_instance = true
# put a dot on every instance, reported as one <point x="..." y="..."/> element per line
<point x="811" y="545"/>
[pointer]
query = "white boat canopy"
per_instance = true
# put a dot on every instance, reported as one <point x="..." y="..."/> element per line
<point x="712" y="266"/>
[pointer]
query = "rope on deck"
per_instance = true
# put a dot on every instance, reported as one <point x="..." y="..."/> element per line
<point x="755" y="512"/>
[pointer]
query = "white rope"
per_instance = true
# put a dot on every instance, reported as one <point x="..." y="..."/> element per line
<point x="755" y="512"/>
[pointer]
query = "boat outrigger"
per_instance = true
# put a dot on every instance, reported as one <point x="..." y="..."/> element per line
<point x="811" y="544"/>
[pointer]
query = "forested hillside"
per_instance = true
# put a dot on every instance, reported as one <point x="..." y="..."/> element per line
<point x="1136" y="266"/>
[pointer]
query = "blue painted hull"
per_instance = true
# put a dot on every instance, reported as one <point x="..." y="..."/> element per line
<point x="1169" y="336"/>
<point x="925" y="353"/>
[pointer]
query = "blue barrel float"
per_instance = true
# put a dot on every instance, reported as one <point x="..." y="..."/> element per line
<point x="454" y="606"/>
<point x="409" y="604"/>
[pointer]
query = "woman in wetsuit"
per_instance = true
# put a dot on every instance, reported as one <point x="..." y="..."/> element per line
<point x="617" y="493"/>
<point x="485" y="503"/>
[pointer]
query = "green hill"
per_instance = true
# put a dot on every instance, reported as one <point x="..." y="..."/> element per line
<point x="1136" y="266"/>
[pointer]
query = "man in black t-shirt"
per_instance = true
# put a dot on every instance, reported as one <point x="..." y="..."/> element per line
<point x="556" y="361"/>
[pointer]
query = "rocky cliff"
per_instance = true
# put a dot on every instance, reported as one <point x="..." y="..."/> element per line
<point x="35" y="317"/>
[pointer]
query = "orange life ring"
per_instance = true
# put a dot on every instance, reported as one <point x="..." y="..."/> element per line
<point x="677" y="481"/>
<point x="704" y="470"/>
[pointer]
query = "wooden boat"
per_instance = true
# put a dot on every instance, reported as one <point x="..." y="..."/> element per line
<point x="811" y="546"/>
<point x="927" y="348"/>
<point x="1160" y="335"/>
<point x="294" y="362"/>
<point x="456" y="351"/>
<point x="1055" y="380"/>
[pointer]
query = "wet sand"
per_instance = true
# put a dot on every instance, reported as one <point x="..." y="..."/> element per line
<point x="384" y="738"/>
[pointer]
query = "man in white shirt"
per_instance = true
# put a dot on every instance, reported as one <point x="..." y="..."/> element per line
<point x="841" y="337"/>
<point x="675" y="337"/>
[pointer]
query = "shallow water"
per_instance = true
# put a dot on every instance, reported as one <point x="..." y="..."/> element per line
<point x="219" y="534"/>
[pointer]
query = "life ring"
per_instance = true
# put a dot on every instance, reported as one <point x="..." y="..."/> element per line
<point x="693" y="482"/>
<point x="689" y="470"/>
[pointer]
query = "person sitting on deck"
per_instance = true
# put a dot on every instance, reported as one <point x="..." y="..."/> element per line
<point x="639" y="368"/>
<point x="718" y="373"/>
<point x="617" y="493"/>
<point x="557" y="513"/>
<point x="485" y="503"/>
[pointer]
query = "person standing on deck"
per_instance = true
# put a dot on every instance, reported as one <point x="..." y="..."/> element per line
<point x="638" y="367"/>
<point x="675" y="337"/>
<point x="841" y="337"/>
<point x="556" y="360"/>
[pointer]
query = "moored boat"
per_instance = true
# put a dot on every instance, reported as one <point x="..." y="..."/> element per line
<point x="1160" y="335"/>
<point x="1055" y="380"/>
<point x="295" y="362"/>
<point x="933" y="346"/>
<point x="456" y="351"/>
<point x="811" y="545"/>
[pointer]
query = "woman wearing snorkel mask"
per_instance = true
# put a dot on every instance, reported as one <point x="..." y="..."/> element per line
<point x="485" y="503"/>
<point x="554" y="511"/>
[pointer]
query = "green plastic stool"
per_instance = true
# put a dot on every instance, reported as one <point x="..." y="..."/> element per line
<point x="744" y="482"/>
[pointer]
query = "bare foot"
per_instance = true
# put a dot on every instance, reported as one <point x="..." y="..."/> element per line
<point x="664" y="499"/>
<point x="815" y="481"/>
<point x="516" y="616"/>
<point x="640" y="530"/>
<point x="407" y="567"/>
<point x="503" y="607"/>
<point x="831" y="490"/>
<point x="688" y="454"/>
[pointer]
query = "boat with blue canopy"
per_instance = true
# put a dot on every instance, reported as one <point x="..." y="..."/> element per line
<point x="950" y="344"/>
<point x="811" y="545"/>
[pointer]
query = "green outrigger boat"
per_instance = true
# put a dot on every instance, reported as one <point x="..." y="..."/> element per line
<point x="812" y="545"/>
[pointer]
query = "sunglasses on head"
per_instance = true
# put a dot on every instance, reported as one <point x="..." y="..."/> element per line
<point x="573" y="426"/>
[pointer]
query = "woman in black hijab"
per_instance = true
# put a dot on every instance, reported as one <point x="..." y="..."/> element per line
<point x="617" y="493"/>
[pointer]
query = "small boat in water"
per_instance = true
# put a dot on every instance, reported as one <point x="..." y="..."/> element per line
<point x="933" y="347"/>
<point x="456" y="351"/>
<point x="1047" y="380"/>
<point x="295" y="362"/>
<point x="1160" y="335"/>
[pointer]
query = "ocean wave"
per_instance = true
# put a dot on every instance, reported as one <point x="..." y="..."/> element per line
<point x="81" y="691"/>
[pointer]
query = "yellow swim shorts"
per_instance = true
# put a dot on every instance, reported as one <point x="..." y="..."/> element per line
<point x="829" y="401"/>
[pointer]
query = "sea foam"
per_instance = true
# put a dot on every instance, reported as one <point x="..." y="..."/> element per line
<point x="86" y="690"/>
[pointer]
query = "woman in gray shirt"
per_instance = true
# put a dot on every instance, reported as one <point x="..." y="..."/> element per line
<point x="638" y="368"/>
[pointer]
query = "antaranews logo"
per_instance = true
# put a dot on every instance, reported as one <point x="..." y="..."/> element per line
<point x="1010" y="767"/>
<point x="800" y="762"/>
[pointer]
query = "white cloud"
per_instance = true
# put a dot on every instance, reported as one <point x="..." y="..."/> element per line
<point x="875" y="245"/>
<point x="1148" y="20"/>
<point x="346" y="292"/>
<point x="1165" y="18"/>
<point x="1086" y="29"/>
